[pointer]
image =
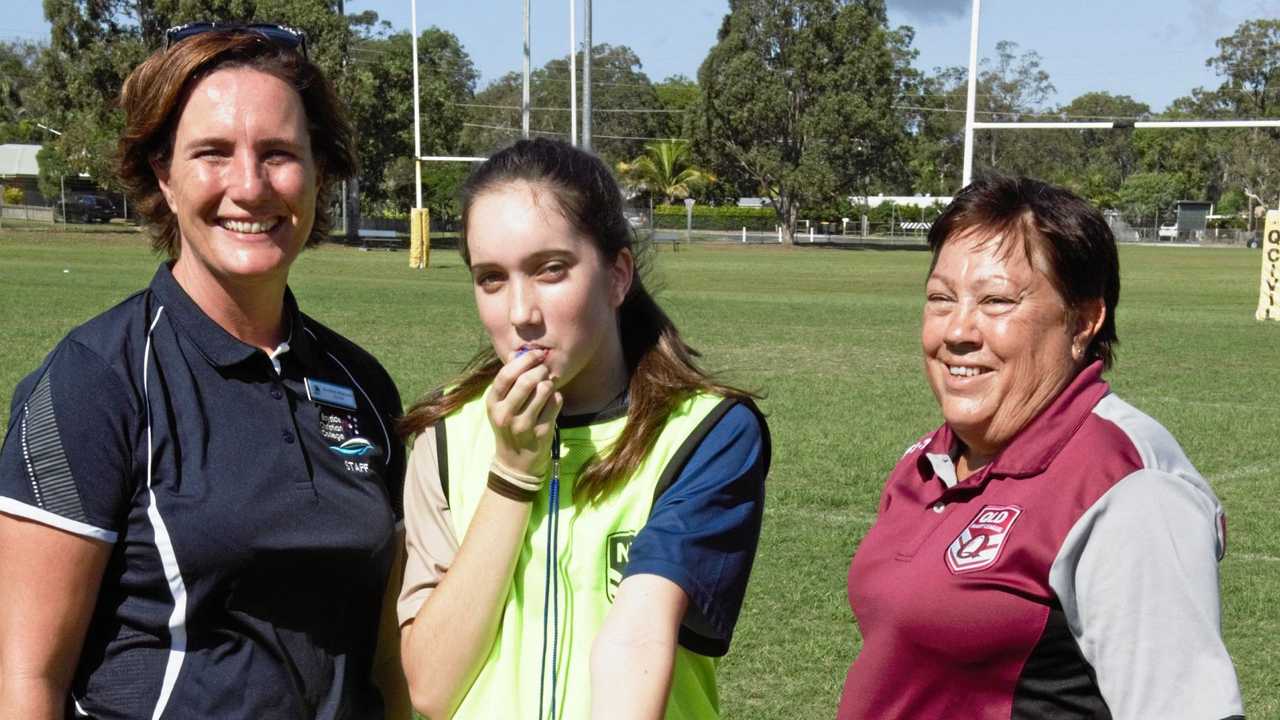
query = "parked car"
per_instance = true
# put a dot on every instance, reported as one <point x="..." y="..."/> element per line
<point x="87" y="209"/>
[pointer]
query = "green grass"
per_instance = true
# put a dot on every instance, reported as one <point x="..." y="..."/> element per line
<point x="831" y="336"/>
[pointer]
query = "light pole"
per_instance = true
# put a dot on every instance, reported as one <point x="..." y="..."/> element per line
<point x="573" y="73"/>
<point x="586" y="79"/>
<point x="62" y="179"/>
<point x="524" y="92"/>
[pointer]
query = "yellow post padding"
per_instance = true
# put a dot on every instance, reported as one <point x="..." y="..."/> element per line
<point x="1269" y="291"/>
<point x="419" y="238"/>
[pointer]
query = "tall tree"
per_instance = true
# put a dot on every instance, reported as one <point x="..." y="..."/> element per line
<point x="17" y="80"/>
<point x="622" y="97"/>
<point x="380" y="94"/>
<point x="1248" y="60"/>
<point x="677" y="98"/>
<point x="798" y="97"/>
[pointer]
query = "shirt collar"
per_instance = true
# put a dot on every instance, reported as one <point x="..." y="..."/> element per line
<point x="218" y="346"/>
<point x="1037" y="444"/>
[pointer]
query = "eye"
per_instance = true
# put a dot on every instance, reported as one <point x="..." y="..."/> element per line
<point x="488" y="281"/>
<point x="938" y="297"/>
<point x="278" y="157"/>
<point x="209" y="153"/>
<point x="553" y="271"/>
<point x="998" y="303"/>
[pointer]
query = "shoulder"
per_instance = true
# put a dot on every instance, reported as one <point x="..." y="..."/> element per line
<point x="731" y="437"/>
<point x="1126" y="427"/>
<point x="97" y="360"/>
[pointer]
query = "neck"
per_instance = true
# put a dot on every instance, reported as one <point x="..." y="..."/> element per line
<point x="598" y="383"/>
<point x="970" y="462"/>
<point x="253" y="313"/>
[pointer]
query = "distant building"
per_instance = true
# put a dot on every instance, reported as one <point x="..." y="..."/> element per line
<point x="19" y="168"/>
<point x="920" y="201"/>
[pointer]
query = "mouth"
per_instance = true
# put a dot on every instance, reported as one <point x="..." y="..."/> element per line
<point x="966" y="371"/>
<point x="530" y="347"/>
<point x="249" y="227"/>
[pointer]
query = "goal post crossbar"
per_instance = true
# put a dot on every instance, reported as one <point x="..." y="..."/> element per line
<point x="1124" y="124"/>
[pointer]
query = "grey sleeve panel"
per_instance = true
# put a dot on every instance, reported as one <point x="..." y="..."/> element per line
<point x="1137" y="577"/>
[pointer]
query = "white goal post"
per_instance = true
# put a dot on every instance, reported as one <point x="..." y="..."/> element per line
<point x="971" y="124"/>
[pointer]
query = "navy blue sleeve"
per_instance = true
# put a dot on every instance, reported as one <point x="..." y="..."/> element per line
<point x="67" y="455"/>
<point x="703" y="531"/>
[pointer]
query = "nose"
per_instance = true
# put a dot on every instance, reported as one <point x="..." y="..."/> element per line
<point x="247" y="182"/>
<point x="962" y="331"/>
<point x="523" y="310"/>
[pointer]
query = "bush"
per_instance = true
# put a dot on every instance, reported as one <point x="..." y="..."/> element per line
<point x="13" y="196"/>
<point x="705" y="217"/>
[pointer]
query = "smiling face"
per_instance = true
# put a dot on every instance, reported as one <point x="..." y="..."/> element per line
<point x="999" y="342"/>
<point x="241" y="180"/>
<point x="540" y="284"/>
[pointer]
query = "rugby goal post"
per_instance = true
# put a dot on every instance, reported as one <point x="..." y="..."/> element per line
<point x="1269" y="289"/>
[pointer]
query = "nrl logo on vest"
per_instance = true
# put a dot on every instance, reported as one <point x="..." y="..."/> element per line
<point x="617" y="551"/>
<point x="978" y="546"/>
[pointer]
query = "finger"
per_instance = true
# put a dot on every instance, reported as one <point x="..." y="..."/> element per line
<point x="507" y="376"/>
<point x="528" y="417"/>
<point x="522" y="391"/>
<point x="550" y="411"/>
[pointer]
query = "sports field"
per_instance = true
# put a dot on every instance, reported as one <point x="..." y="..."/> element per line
<point x="831" y="338"/>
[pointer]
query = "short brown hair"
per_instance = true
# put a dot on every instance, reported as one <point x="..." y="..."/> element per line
<point x="1068" y="233"/>
<point x="157" y="90"/>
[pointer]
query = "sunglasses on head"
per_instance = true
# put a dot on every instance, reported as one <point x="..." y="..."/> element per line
<point x="281" y="35"/>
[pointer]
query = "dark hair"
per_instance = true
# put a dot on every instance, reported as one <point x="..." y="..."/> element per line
<point x="1066" y="232"/>
<point x="660" y="364"/>
<point x="156" y="92"/>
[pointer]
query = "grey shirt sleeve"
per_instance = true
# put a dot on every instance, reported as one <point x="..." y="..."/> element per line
<point x="1137" y="577"/>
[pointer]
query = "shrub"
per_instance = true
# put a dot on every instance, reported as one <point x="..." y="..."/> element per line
<point x="706" y="217"/>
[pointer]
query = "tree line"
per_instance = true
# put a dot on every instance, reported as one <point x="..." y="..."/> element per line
<point x="804" y="102"/>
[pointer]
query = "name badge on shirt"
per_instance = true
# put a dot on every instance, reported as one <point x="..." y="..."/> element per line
<point x="331" y="394"/>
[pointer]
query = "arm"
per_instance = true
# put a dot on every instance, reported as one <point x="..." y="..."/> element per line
<point x="1138" y="581"/>
<point x="64" y="470"/>
<point x="48" y="587"/>
<point x="634" y="653"/>
<point x="688" y="570"/>
<point x="463" y="612"/>
<point x="387" y="675"/>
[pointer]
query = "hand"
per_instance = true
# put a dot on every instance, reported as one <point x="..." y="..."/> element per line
<point x="523" y="404"/>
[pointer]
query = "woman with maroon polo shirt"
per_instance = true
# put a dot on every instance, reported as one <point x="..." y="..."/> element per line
<point x="1049" y="551"/>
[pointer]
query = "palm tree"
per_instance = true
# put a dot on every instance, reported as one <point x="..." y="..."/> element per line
<point x="665" y="169"/>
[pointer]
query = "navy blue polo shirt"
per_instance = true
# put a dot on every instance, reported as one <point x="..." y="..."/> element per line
<point x="251" y="510"/>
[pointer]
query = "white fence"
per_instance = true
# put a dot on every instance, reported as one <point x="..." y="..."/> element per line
<point x="27" y="212"/>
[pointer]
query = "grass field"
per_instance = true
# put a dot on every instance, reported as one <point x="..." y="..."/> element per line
<point x="831" y="337"/>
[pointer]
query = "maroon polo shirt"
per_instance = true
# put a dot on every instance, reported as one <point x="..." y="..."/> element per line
<point x="1075" y="576"/>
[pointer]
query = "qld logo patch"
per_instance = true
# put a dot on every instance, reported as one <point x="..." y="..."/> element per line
<point x="617" y="550"/>
<point x="978" y="546"/>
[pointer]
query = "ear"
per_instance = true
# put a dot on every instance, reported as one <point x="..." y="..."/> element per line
<point x="1089" y="317"/>
<point x="621" y="274"/>
<point x="161" y="171"/>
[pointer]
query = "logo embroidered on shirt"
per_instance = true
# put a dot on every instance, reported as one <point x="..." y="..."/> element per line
<point x="337" y="427"/>
<point x="617" y="550"/>
<point x="978" y="545"/>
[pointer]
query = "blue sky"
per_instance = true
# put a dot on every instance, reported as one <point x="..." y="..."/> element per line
<point x="1151" y="50"/>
